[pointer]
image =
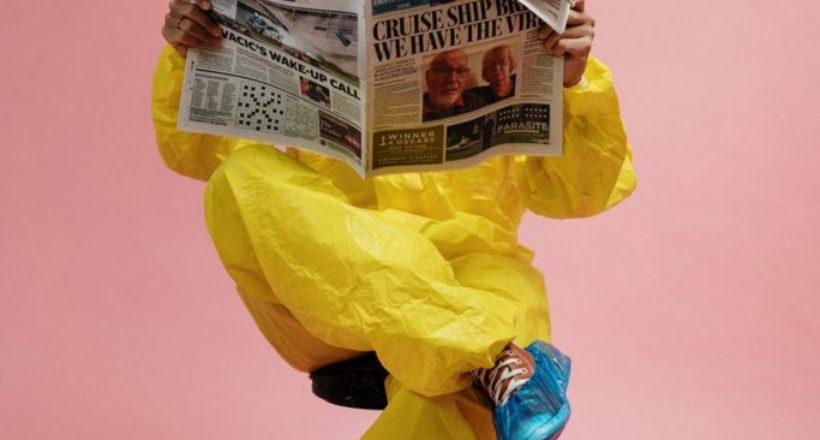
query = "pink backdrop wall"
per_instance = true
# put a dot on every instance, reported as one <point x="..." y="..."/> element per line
<point x="691" y="311"/>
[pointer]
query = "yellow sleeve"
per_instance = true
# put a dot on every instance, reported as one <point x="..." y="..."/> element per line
<point x="191" y="154"/>
<point x="595" y="171"/>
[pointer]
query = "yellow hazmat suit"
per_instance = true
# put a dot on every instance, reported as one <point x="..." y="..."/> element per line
<point x="423" y="268"/>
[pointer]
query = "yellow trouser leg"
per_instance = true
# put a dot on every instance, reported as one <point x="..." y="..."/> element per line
<point x="350" y="277"/>
<point x="411" y="416"/>
<point x="464" y="415"/>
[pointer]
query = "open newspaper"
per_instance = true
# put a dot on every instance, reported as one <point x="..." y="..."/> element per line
<point x="383" y="85"/>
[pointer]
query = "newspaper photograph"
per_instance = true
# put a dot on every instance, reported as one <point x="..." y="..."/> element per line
<point x="384" y="85"/>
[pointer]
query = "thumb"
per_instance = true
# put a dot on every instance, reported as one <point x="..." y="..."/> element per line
<point x="579" y="5"/>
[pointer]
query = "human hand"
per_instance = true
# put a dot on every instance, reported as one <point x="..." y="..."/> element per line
<point x="575" y="44"/>
<point x="187" y="25"/>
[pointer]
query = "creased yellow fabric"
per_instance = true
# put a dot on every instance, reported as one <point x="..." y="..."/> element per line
<point x="423" y="268"/>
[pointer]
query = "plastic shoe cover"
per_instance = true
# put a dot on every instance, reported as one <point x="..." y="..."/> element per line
<point x="539" y="410"/>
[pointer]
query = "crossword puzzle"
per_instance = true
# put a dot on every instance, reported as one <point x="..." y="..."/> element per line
<point x="260" y="108"/>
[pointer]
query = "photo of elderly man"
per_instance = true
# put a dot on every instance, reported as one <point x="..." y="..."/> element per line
<point x="447" y="79"/>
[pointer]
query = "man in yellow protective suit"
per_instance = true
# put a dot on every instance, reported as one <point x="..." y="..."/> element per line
<point x="425" y="269"/>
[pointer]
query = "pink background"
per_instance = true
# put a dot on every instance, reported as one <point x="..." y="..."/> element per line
<point x="691" y="311"/>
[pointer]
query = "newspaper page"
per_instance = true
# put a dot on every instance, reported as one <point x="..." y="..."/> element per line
<point x="287" y="72"/>
<point x="554" y="12"/>
<point x="454" y="82"/>
<point x="383" y="85"/>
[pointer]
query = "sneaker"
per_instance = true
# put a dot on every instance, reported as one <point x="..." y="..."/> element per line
<point x="512" y="369"/>
<point x="538" y="409"/>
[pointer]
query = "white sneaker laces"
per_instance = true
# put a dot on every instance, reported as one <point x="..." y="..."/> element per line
<point x="504" y="378"/>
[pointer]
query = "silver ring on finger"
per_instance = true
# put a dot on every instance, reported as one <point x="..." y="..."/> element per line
<point x="179" y="23"/>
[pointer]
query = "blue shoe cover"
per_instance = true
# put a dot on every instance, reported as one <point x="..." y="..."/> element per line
<point x="539" y="410"/>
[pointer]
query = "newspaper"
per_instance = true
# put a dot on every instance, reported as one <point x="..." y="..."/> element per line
<point x="383" y="85"/>
<point x="554" y="12"/>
